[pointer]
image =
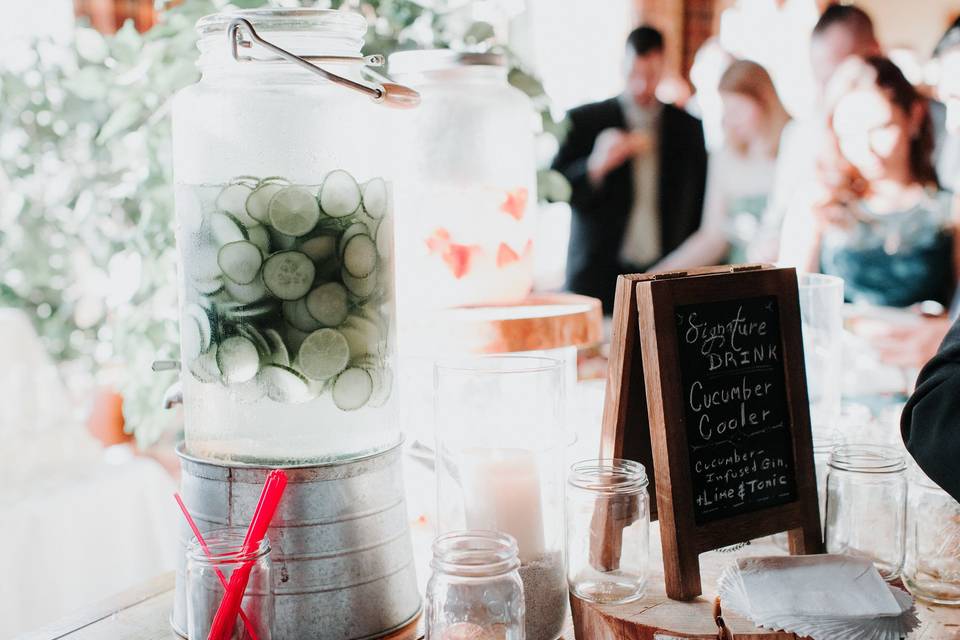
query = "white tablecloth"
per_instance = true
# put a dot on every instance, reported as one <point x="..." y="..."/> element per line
<point x="80" y="533"/>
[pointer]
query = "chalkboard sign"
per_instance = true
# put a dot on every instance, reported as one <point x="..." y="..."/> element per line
<point x="707" y="387"/>
<point x="738" y="420"/>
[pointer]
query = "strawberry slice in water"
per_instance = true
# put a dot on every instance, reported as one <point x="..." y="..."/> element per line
<point x="506" y="255"/>
<point x="458" y="257"/>
<point x="515" y="204"/>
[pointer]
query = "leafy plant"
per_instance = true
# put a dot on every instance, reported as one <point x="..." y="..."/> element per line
<point x="86" y="215"/>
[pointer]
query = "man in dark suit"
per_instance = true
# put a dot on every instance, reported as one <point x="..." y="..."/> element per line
<point x="638" y="169"/>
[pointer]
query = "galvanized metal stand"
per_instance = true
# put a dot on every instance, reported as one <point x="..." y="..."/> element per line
<point x="342" y="556"/>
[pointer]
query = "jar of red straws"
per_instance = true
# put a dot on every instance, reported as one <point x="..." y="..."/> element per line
<point x="210" y="570"/>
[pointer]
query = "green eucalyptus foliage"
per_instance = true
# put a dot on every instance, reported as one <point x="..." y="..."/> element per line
<point x="86" y="195"/>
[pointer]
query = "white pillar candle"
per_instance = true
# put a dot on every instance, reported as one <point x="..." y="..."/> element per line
<point x="501" y="490"/>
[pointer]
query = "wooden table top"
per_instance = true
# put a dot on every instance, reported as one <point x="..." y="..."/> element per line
<point x="143" y="613"/>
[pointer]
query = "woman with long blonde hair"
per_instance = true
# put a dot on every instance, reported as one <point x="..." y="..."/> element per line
<point x="740" y="174"/>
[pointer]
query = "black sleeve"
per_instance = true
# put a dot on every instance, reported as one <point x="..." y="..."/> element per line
<point x="930" y="423"/>
<point x="699" y="151"/>
<point x="571" y="161"/>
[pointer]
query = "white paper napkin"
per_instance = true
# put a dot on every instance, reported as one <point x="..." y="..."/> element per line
<point x="824" y="597"/>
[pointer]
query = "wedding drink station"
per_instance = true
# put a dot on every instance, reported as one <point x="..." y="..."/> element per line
<point x="288" y="324"/>
<point x="356" y="268"/>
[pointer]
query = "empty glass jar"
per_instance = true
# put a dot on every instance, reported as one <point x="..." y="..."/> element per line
<point x="866" y="505"/>
<point x="475" y="592"/>
<point x="932" y="569"/>
<point x="208" y="570"/>
<point x="608" y="530"/>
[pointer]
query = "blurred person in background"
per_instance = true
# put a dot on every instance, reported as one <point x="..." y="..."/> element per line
<point x="740" y="173"/>
<point x="709" y="64"/>
<point x="914" y="345"/>
<point x="638" y="169"/>
<point x="841" y="32"/>
<point x="877" y="217"/>
<point x="947" y="56"/>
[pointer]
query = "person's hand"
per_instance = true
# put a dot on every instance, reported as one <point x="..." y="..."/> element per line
<point x="907" y="345"/>
<point x="612" y="148"/>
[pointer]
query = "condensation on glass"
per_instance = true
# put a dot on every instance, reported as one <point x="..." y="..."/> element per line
<point x="284" y="224"/>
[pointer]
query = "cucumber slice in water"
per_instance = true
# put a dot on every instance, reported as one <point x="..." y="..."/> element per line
<point x="385" y="239"/>
<point x="232" y="199"/>
<point x="284" y="384"/>
<point x="253" y="334"/>
<point x="258" y="202"/>
<point x="278" y="350"/>
<point x="323" y="354"/>
<point x="356" y="229"/>
<point x="208" y="287"/>
<point x="382" y="386"/>
<point x="339" y="194"/>
<point x="246" y="293"/>
<point x="259" y="236"/>
<point x="319" y="248"/>
<point x="234" y="311"/>
<point x="238" y="359"/>
<point x="205" y="368"/>
<point x="191" y="338"/>
<point x="360" y="287"/>
<point x="359" y="256"/>
<point x="376" y="198"/>
<point x="288" y="274"/>
<point x="199" y="314"/>
<point x="240" y="261"/>
<point x="226" y="228"/>
<point x="293" y="211"/>
<point x="352" y="389"/>
<point x="328" y="304"/>
<point x="295" y="312"/>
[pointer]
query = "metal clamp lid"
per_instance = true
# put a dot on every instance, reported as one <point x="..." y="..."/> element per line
<point x="387" y="93"/>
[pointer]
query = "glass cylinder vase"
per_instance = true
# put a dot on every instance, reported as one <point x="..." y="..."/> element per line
<point x="500" y="467"/>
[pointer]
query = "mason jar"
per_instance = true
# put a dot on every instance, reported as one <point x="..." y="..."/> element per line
<point x="866" y="505"/>
<point x="284" y="224"/>
<point x="932" y="570"/>
<point x="500" y="467"/>
<point x="608" y="530"/>
<point x="210" y="567"/>
<point x="475" y="592"/>
<point x="467" y="196"/>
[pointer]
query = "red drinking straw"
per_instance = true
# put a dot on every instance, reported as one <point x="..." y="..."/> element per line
<point x="206" y="550"/>
<point x="226" y="617"/>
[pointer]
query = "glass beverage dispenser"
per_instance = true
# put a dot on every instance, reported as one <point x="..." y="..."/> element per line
<point x="285" y="236"/>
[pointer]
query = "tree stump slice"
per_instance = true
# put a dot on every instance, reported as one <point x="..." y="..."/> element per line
<point x="656" y="617"/>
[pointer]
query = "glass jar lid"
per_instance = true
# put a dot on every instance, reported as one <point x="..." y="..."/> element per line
<point x="867" y="458"/>
<point x="475" y="554"/>
<point x="431" y="60"/>
<point x="609" y="476"/>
